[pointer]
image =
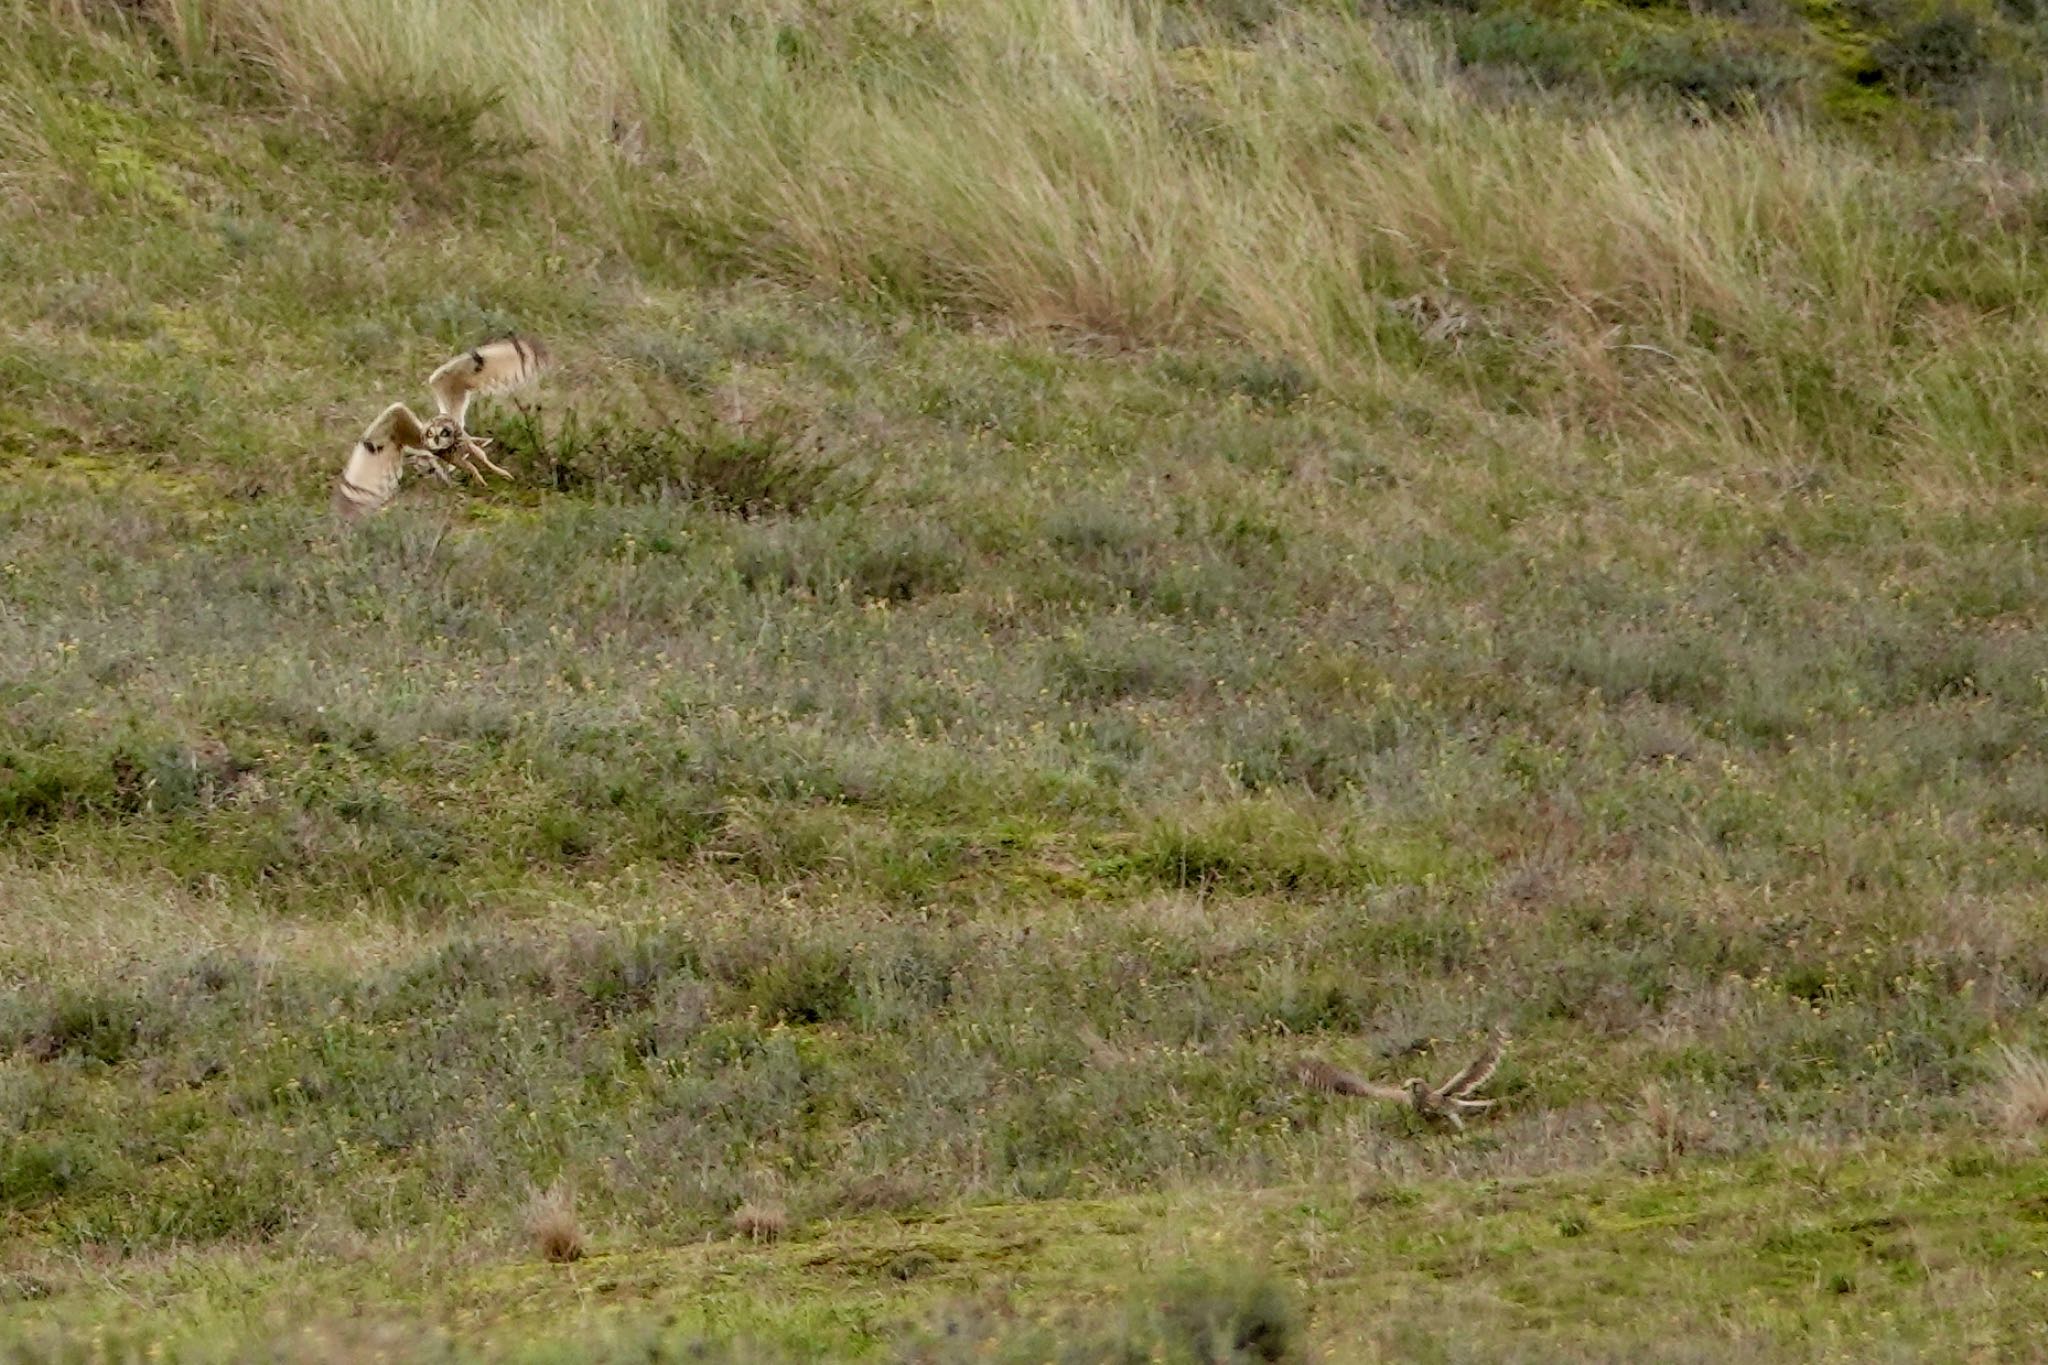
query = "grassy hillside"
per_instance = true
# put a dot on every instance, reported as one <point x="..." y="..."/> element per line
<point x="1073" y="556"/>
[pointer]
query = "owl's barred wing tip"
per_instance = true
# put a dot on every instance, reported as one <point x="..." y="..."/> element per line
<point x="1481" y="1068"/>
<point x="494" y="367"/>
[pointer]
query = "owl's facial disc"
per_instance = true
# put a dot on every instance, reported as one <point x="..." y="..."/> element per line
<point x="441" y="435"/>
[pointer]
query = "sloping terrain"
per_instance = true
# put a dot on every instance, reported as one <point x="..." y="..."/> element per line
<point x="1071" y="558"/>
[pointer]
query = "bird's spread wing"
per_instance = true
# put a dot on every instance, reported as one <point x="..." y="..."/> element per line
<point x="492" y="367"/>
<point x="1479" y="1072"/>
<point x="1318" y="1074"/>
<point x="376" y="461"/>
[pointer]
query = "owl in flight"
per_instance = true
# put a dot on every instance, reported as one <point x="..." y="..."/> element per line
<point x="371" y="475"/>
<point x="1450" y="1101"/>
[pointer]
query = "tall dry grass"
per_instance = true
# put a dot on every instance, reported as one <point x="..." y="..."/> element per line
<point x="1332" y="191"/>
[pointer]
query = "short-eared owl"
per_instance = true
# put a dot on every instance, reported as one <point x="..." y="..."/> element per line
<point x="1452" y="1100"/>
<point x="371" y="475"/>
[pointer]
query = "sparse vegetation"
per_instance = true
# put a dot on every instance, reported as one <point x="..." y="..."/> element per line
<point x="1077" y="553"/>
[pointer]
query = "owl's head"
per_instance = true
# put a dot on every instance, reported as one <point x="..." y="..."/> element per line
<point x="441" y="435"/>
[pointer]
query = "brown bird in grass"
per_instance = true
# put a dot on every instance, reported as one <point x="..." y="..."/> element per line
<point x="1451" y="1101"/>
<point x="377" y="461"/>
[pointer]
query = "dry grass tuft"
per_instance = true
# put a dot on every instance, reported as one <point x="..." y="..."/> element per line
<point x="551" y="1223"/>
<point x="2022" y="1090"/>
<point x="1672" y="1129"/>
<point x="760" y="1222"/>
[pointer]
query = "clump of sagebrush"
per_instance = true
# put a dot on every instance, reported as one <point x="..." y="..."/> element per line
<point x="438" y="142"/>
<point x="863" y="558"/>
<point x="746" y="471"/>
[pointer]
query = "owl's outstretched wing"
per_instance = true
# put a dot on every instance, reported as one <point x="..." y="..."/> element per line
<point x="492" y="367"/>
<point x="1479" y="1071"/>
<point x="375" y="463"/>
<point x="1318" y="1074"/>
